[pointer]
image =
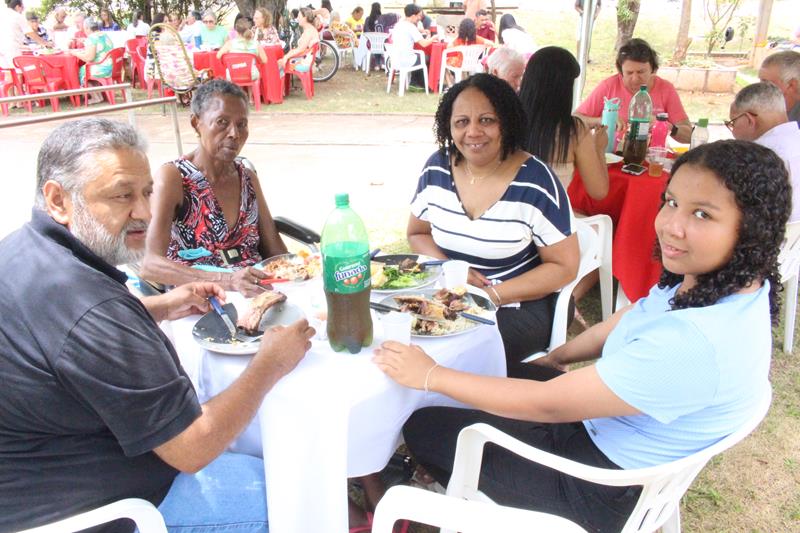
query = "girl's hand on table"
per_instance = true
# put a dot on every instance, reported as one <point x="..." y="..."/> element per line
<point x="600" y="140"/>
<point x="407" y="365"/>
<point x="477" y="279"/>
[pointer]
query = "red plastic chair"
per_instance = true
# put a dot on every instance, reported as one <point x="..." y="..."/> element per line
<point x="117" y="56"/>
<point x="137" y="64"/>
<point x="150" y="83"/>
<point x="306" y="78"/>
<point x="7" y="85"/>
<point x="37" y="79"/>
<point x="239" y="67"/>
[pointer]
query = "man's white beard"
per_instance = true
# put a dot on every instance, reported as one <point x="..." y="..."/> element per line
<point x="111" y="248"/>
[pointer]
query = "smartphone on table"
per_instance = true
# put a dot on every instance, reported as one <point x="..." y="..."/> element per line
<point x="635" y="169"/>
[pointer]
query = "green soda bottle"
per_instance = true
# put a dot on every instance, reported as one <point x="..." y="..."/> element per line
<point x="346" y="276"/>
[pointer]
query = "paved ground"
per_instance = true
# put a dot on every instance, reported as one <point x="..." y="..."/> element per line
<point x="302" y="160"/>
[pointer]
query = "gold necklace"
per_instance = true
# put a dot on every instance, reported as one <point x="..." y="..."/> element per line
<point x="473" y="178"/>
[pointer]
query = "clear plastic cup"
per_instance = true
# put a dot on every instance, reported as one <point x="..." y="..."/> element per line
<point x="397" y="327"/>
<point x="455" y="274"/>
<point x="656" y="156"/>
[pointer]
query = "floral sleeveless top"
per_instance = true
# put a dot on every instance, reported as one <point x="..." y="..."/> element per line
<point x="200" y="223"/>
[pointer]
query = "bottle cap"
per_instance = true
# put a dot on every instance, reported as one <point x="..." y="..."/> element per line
<point x="662" y="117"/>
<point x="703" y="122"/>
<point x="643" y="88"/>
<point x="342" y="199"/>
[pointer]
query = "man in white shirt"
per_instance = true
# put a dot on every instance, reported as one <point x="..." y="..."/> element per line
<point x="191" y="27"/>
<point x="783" y="69"/>
<point x="13" y="30"/>
<point x="404" y="36"/>
<point x="758" y="114"/>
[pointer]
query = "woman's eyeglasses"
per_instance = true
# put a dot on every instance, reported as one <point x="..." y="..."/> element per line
<point x="209" y="22"/>
<point x="729" y="123"/>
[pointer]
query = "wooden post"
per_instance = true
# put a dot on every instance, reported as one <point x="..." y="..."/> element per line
<point x="762" y="26"/>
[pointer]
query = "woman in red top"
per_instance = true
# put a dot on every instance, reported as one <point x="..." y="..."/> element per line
<point x="208" y="209"/>
<point x="467" y="35"/>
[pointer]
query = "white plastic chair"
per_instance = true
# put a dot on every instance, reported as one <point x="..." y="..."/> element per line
<point x="595" y="247"/>
<point x="789" y="269"/>
<point x="465" y="508"/>
<point x="401" y="65"/>
<point x="372" y="46"/>
<point x="402" y="502"/>
<point x="471" y="61"/>
<point x="142" y="512"/>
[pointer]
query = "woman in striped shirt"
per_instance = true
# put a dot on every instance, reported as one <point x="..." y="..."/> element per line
<point x="484" y="200"/>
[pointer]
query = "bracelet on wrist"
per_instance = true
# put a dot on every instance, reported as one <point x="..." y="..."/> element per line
<point x="499" y="300"/>
<point x="428" y="376"/>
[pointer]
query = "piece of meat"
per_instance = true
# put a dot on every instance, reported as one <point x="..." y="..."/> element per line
<point x="259" y="305"/>
<point x="408" y="265"/>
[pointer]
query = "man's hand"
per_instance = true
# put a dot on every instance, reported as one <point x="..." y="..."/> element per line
<point x="189" y="299"/>
<point x="247" y="281"/>
<point x="285" y="346"/>
<point x="407" y="365"/>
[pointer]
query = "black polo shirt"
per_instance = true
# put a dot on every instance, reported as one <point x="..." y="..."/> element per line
<point x="90" y="384"/>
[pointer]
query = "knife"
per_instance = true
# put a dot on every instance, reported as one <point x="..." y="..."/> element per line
<point x="469" y="316"/>
<point x="223" y="314"/>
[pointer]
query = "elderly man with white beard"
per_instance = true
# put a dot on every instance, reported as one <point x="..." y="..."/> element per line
<point x="95" y="406"/>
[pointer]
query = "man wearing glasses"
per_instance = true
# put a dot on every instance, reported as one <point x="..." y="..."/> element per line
<point x="758" y="114"/>
<point x="212" y="35"/>
<point x="191" y="27"/>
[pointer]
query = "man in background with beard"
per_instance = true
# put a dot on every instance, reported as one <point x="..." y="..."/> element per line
<point x="95" y="406"/>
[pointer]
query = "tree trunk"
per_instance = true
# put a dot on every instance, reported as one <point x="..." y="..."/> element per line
<point x="627" y="15"/>
<point x="682" y="42"/>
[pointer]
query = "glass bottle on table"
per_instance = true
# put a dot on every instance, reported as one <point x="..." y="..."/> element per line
<point x="637" y="137"/>
<point x="699" y="133"/>
<point x="346" y="278"/>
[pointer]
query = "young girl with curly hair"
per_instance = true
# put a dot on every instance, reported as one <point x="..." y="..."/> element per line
<point x="678" y="370"/>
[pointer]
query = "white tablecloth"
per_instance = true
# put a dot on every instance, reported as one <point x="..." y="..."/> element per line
<point x="335" y="416"/>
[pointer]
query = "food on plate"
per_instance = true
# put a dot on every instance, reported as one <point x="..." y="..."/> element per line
<point x="407" y="274"/>
<point x="298" y="267"/>
<point x="259" y="305"/>
<point x="442" y="308"/>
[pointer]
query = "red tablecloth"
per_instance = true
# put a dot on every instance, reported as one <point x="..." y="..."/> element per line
<point x="434" y="53"/>
<point x="632" y="203"/>
<point x="271" y="87"/>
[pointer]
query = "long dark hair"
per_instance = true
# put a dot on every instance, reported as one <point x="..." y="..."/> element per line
<point x="506" y="105"/>
<point x="759" y="182"/>
<point x="507" y="21"/>
<point x="467" y="31"/>
<point x="546" y="95"/>
<point x="374" y="13"/>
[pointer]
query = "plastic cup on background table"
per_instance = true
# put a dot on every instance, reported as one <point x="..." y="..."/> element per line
<point x="397" y="327"/>
<point x="198" y="41"/>
<point x="656" y="156"/>
<point x="455" y="274"/>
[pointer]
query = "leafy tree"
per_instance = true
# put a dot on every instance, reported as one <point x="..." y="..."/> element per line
<point x="720" y="13"/>
<point x="683" y="41"/>
<point x="627" y="15"/>
<point x="122" y="10"/>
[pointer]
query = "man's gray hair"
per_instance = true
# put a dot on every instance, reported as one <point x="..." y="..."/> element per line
<point x="788" y="63"/>
<point x="91" y="23"/>
<point x="502" y="59"/>
<point x="67" y="154"/>
<point x="760" y="97"/>
<point x="209" y="13"/>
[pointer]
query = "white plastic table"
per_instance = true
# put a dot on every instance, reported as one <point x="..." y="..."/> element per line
<point x="335" y="416"/>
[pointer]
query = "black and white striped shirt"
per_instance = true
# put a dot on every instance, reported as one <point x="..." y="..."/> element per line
<point x="503" y="242"/>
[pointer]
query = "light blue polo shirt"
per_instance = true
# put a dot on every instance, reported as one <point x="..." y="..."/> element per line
<point x="696" y="375"/>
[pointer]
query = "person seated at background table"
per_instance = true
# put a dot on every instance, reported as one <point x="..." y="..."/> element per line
<point x="485" y="26"/>
<point x="342" y="34"/>
<point x="96" y="46"/>
<point x="208" y="208"/>
<point x="174" y="20"/>
<point x="77" y="35"/>
<point x="783" y="69"/>
<point x="244" y="43"/>
<point x="59" y="16"/>
<point x="681" y="369"/>
<point x="191" y="27"/>
<point x="637" y="64"/>
<point x="107" y="22"/>
<point x="265" y="31"/>
<point x="554" y="135"/>
<point x="212" y="35"/>
<point x="467" y="36"/>
<point x="482" y="199"/>
<point x="514" y="36"/>
<point x="310" y="36"/>
<point x="372" y="18"/>
<point x="97" y="407"/>
<point x="405" y="36"/>
<point x="323" y="14"/>
<point x="508" y="65"/>
<point x="39" y="29"/>
<point x="138" y="27"/>
<point x="387" y="21"/>
<point x="356" y="21"/>
<point x="758" y="114"/>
